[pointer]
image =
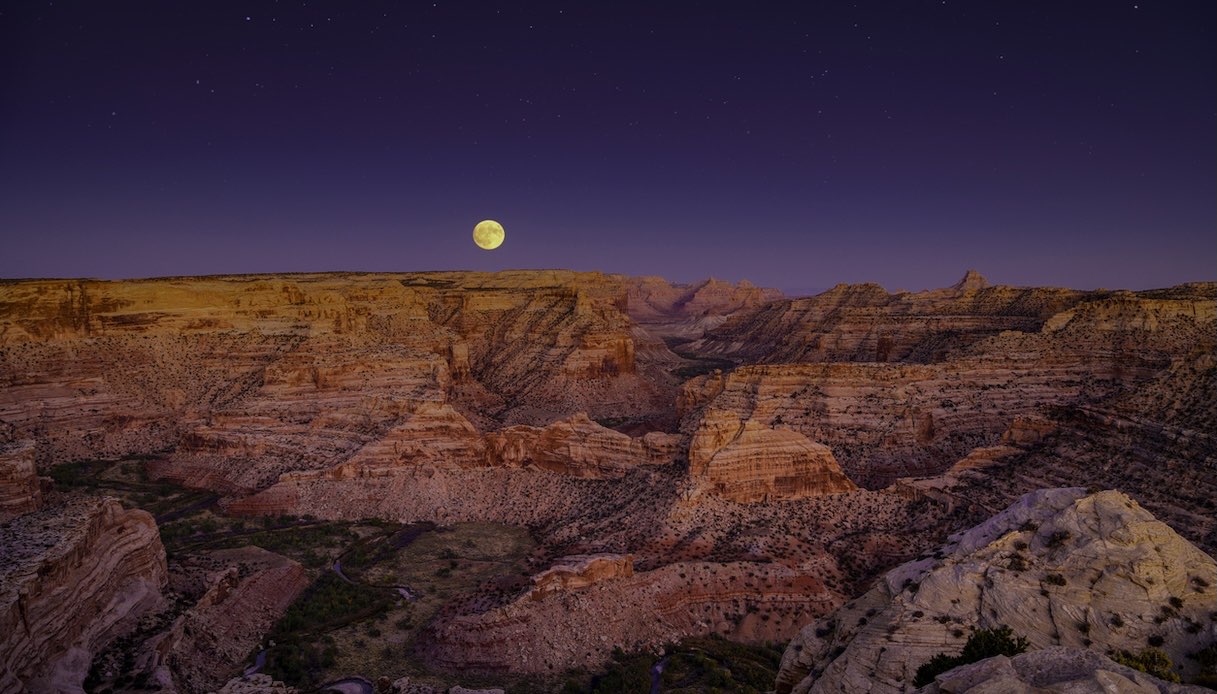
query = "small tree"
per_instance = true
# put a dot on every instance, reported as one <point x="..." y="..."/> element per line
<point x="983" y="643"/>
<point x="1151" y="661"/>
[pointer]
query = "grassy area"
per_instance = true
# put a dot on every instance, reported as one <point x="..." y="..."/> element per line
<point x="314" y="544"/>
<point x="366" y="626"/>
<point x="445" y="568"/>
<point x="703" y="365"/>
<point x="127" y="479"/>
<point x="302" y="655"/>
<point x="336" y="628"/>
<point x="703" y="664"/>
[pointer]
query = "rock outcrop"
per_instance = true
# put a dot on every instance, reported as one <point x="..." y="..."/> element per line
<point x="255" y="684"/>
<point x="1053" y="670"/>
<point x="579" y="447"/>
<point x="574" y="573"/>
<point x="74" y="577"/>
<point x="20" y="490"/>
<point x="207" y="644"/>
<point x="1060" y="567"/>
<point x="580" y="623"/>
<point x="747" y="461"/>
<point x="436" y="466"/>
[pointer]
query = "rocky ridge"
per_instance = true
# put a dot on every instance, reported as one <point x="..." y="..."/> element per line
<point x="1061" y="567"/>
<point x="866" y="323"/>
<point x="1052" y="670"/>
<point x="75" y="576"/>
<point x="242" y="602"/>
<point x="884" y="420"/>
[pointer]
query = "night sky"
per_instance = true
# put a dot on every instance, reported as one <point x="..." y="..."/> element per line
<point x="794" y="144"/>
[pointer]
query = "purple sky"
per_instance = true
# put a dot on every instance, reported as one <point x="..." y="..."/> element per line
<point x="1038" y="142"/>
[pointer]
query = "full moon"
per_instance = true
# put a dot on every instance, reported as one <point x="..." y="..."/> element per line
<point x="488" y="234"/>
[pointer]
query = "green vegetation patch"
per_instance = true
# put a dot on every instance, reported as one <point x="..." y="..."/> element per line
<point x="1151" y="661"/>
<point x="299" y="656"/>
<point x="702" y="664"/>
<point x="703" y="366"/>
<point x="983" y="643"/>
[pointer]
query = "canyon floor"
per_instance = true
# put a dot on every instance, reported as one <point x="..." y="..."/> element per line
<point x="544" y="481"/>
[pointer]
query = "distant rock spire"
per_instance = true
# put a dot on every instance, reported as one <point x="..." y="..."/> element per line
<point x="972" y="281"/>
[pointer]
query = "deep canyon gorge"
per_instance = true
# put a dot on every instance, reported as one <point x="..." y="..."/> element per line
<point x="544" y="480"/>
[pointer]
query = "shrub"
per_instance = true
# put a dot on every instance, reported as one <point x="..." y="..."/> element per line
<point x="1057" y="539"/>
<point x="1151" y="661"/>
<point x="1207" y="659"/>
<point x="984" y="643"/>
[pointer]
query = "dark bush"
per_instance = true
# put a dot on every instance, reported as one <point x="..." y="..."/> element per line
<point x="1057" y="539"/>
<point x="984" y="643"/>
<point x="1151" y="661"/>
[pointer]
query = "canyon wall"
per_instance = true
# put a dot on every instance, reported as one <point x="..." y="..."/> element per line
<point x="866" y="323"/>
<point x="74" y="577"/>
<point x="20" y="490"/>
<point x="247" y="377"/>
<point x="884" y="421"/>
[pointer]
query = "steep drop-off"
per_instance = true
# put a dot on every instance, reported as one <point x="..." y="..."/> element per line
<point x="73" y="578"/>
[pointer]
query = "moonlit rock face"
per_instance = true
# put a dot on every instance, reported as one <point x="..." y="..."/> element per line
<point x="488" y="234"/>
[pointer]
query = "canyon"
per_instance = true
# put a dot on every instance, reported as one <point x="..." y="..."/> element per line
<point x="655" y="463"/>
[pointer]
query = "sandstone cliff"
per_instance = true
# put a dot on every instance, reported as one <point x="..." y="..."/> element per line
<point x="1060" y="567"/>
<point x="579" y="447"/>
<point x="746" y="461"/>
<point x="884" y="421"/>
<point x="866" y="323"/>
<point x="20" y="491"/>
<point x="248" y="377"/>
<point x="582" y="609"/>
<point x="208" y="644"/>
<point x="74" y="577"/>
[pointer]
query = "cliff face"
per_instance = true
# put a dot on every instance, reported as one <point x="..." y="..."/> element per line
<point x="20" y="491"/>
<point x="257" y="375"/>
<point x="686" y="311"/>
<point x="207" y="644"/>
<point x="583" y="608"/>
<point x="74" y="578"/>
<point x="747" y="462"/>
<point x="866" y="323"/>
<point x="883" y="421"/>
<point x="1060" y="567"/>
